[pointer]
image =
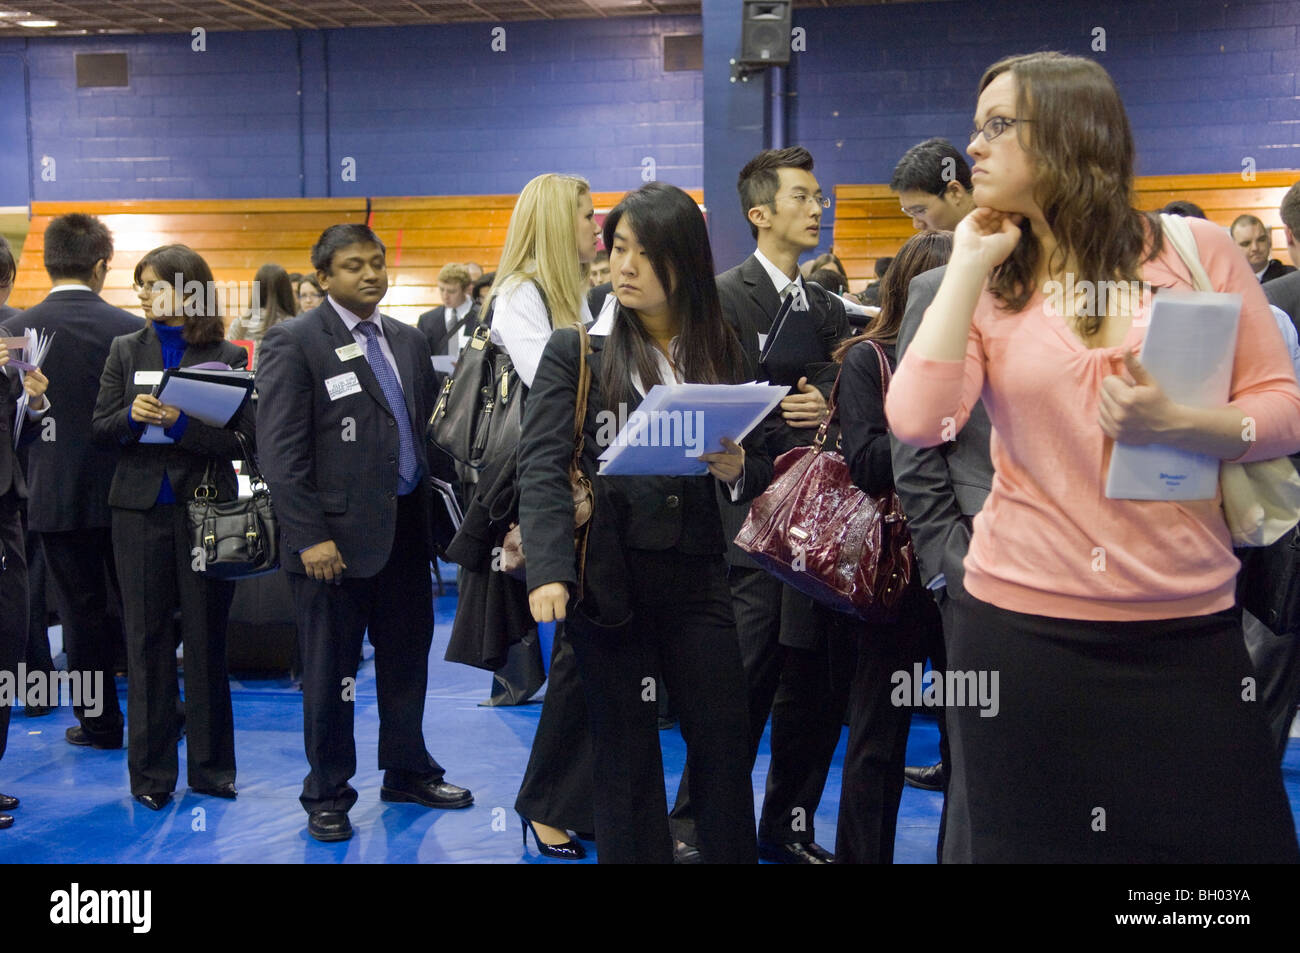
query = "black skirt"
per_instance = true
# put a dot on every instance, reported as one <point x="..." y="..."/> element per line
<point x="1109" y="742"/>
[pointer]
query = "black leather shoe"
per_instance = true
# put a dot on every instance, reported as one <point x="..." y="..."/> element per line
<point x="806" y="853"/>
<point x="928" y="778"/>
<point x="429" y="793"/>
<point x="37" y="711"/>
<point x="156" y="801"/>
<point x="79" y="736"/>
<point x="569" y="850"/>
<point x="684" y="853"/>
<point x="7" y="803"/>
<point x="226" y="790"/>
<point x="329" y="825"/>
<point x="6" y="820"/>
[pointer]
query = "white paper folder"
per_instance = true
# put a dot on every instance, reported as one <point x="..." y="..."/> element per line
<point x="1189" y="350"/>
<point x="666" y="434"/>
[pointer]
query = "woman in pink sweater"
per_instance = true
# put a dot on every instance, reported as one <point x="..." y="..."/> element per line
<point x="1126" y="728"/>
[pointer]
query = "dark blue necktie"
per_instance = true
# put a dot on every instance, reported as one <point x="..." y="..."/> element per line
<point x="408" y="468"/>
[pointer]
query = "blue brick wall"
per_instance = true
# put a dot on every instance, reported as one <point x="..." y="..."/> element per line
<point x="421" y="111"/>
<point x="1207" y="83"/>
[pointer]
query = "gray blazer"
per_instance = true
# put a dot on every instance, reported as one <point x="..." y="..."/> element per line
<point x="941" y="488"/>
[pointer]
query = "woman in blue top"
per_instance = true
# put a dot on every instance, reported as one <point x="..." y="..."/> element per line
<point x="157" y="472"/>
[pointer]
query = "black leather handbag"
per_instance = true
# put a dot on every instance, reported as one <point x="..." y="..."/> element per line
<point x="479" y="413"/>
<point x="237" y="539"/>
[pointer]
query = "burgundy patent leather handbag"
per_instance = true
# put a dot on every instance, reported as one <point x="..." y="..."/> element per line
<point x="815" y="530"/>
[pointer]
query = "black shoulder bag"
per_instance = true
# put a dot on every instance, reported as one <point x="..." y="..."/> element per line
<point x="237" y="539"/>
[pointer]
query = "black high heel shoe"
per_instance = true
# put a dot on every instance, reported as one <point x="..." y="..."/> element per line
<point x="569" y="850"/>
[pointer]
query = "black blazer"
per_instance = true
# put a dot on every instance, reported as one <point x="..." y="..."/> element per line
<point x="70" y="475"/>
<point x="864" y="432"/>
<point x="749" y="303"/>
<point x="941" y="488"/>
<point x="332" y="464"/>
<point x="633" y="512"/>
<point x="433" y="325"/>
<point x="140" y="466"/>
<point x="596" y="298"/>
<point x="1275" y="270"/>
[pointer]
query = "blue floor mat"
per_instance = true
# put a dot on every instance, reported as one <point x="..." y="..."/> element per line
<point x="76" y="806"/>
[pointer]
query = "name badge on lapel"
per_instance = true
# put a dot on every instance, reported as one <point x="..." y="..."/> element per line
<point x="148" y="378"/>
<point x="349" y="351"/>
<point x="342" y="385"/>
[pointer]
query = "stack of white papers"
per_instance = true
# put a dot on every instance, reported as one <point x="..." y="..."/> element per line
<point x="35" y="347"/>
<point x="210" y="396"/>
<point x="1189" y="350"/>
<point x="676" y="423"/>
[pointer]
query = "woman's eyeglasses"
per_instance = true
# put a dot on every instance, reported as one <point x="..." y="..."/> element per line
<point x="994" y="128"/>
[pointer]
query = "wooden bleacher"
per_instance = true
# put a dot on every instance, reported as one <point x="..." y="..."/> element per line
<point x="869" y="223"/>
<point x="238" y="236"/>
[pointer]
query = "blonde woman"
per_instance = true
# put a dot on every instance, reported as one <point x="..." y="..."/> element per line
<point x="538" y="288"/>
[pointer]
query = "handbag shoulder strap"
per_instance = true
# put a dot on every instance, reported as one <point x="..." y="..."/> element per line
<point x="832" y="403"/>
<point x="584" y="389"/>
<point x="1179" y="234"/>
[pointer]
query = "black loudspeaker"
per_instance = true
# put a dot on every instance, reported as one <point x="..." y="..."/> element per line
<point x="765" y="33"/>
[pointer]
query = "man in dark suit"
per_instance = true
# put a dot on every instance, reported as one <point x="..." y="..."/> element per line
<point x="69" y="475"/>
<point x="787" y="669"/>
<point x="449" y="326"/>
<point x="343" y="392"/>
<point x="13" y="561"/>
<point x="1255" y="242"/>
<point x="941" y="489"/>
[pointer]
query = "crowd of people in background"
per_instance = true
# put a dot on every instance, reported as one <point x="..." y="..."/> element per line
<point x="1097" y="671"/>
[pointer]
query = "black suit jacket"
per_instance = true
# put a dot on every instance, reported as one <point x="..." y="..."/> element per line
<point x="332" y="464"/>
<point x="596" y="298"/>
<point x="941" y="488"/>
<point x="1285" y="293"/>
<point x="70" y="475"/>
<point x="433" y="325"/>
<point x="1275" y="270"/>
<point x="749" y="304"/>
<point x="140" y="466"/>
<point x="653" y="513"/>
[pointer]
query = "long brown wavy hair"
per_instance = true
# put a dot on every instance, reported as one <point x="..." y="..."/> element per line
<point x="921" y="252"/>
<point x="1082" y="147"/>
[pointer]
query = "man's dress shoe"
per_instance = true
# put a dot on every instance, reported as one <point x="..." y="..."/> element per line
<point x="429" y="793"/>
<point x="329" y="825"/>
<point x="156" y="801"/>
<point x="7" y="803"/>
<point x="684" y="853"/>
<point x="6" y="820"/>
<point x="79" y="736"/>
<point x="928" y="778"/>
<point x="807" y="853"/>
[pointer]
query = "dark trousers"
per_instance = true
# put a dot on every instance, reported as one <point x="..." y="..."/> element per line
<point x="1277" y="663"/>
<point x="154" y="565"/>
<point x="794" y="685"/>
<point x="682" y="626"/>
<point x="557" y="785"/>
<point x="79" y="565"/>
<point x="37" y="652"/>
<point x="395" y="606"/>
<point x="13" y="601"/>
<point x="872" y="784"/>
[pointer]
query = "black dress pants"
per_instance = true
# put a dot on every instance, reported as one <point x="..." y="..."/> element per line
<point x="13" y="601"/>
<point x="395" y="606"/>
<point x="79" y="566"/>
<point x="797" y="687"/>
<point x="37" y="652"/>
<point x="155" y="568"/>
<point x="682" y="626"/>
<point x="557" y="785"/>
<point x="872" y="780"/>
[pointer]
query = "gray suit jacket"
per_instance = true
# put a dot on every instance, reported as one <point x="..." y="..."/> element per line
<point x="941" y="488"/>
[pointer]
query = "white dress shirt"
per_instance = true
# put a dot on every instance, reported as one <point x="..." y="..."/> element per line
<point x="522" y="325"/>
<point x="352" y="320"/>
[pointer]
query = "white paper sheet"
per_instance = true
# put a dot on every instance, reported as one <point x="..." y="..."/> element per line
<point x="1189" y="349"/>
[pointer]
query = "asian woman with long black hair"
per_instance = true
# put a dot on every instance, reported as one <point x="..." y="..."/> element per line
<point x="655" y="597"/>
